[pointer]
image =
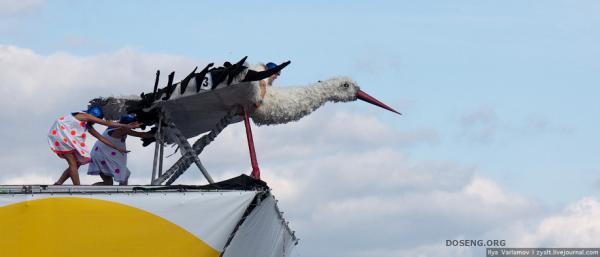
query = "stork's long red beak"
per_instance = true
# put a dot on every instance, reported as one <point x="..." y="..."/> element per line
<point x="369" y="99"/>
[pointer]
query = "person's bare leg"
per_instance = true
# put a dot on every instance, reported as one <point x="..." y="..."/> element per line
<point x="63" y="177"/>
<point x="106" y="181"/>
<point x="73" y="168"/>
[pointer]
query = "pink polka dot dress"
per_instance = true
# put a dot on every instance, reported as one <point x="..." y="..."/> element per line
<point x="67" y="135"/>
<point x="108" y="161"/>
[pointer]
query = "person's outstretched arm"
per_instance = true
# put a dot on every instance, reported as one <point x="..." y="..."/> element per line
<point x="104" y="140"/>
<point x="139" y="134"/>
<point x="82" y="116"/>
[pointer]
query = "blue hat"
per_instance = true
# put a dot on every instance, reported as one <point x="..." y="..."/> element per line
<point x="271" y="65"/>
<point x="96" y="111"/>
<point x="126" y="119"/>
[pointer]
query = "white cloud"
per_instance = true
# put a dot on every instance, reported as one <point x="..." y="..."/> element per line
<point x="62" y="80"/>
<point x="39" y="88"/>
<point x="576" y="226"/>
<point x="28" y="178"/>
<point x="387" y="222"/>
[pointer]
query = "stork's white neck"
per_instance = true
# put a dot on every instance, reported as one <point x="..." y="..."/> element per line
<point x="284" y="104"/>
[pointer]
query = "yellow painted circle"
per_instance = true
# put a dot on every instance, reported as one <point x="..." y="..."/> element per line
<point x="78" y="227"/>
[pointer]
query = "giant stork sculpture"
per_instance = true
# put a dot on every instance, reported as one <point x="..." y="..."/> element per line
<point x="209" y="100"/>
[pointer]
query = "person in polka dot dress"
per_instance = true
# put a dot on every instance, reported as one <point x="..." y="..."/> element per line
<point x="109" y="163"/>
<point x="67" y="139"/>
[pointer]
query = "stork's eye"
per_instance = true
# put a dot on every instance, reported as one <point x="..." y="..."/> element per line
<point x="346" y="85"/>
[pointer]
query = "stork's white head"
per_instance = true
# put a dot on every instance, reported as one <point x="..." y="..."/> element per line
<point x="344" y="89"/>
<point x="340" y="89"/>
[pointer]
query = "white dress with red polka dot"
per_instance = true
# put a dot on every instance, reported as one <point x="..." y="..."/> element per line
<point x="67" y="135"/>
<point x="108" y="161"/>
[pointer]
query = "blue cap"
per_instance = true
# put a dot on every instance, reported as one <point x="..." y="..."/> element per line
<point x="96" y="111"/>
<point x="126" y="119"/>
<point x="271" y="65"/>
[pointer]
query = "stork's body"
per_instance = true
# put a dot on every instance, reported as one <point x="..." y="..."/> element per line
<point x="194" y="105"/>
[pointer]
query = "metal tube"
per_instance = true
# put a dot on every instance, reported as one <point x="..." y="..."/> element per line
<point x="202" y="169"/>
<point x="156" y="148"/>
<point x="160" y="159"/>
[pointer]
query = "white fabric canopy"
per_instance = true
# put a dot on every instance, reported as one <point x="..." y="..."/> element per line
<point x="264" y="233"/>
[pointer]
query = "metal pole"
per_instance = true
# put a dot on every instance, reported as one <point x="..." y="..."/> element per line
<point x="160" y="160"/>
<point x="202" y="169"/>
<point x="255" y="170"/>
<point x="156" y="149"/>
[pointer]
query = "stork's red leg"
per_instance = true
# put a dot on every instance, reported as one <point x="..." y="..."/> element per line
<point x="255" y="170"/>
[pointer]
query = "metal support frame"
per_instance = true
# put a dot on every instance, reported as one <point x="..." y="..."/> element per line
<point x="255" y="169"/>
<point x="186" y="149"/>
<point x="188" y="152"/>
<point x="184" y="163"/>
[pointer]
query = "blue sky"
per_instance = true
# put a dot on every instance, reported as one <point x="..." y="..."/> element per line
<point x="507" y="88"/>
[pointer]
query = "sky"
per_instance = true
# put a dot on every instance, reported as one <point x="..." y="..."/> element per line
<point x="499" y="100"/>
